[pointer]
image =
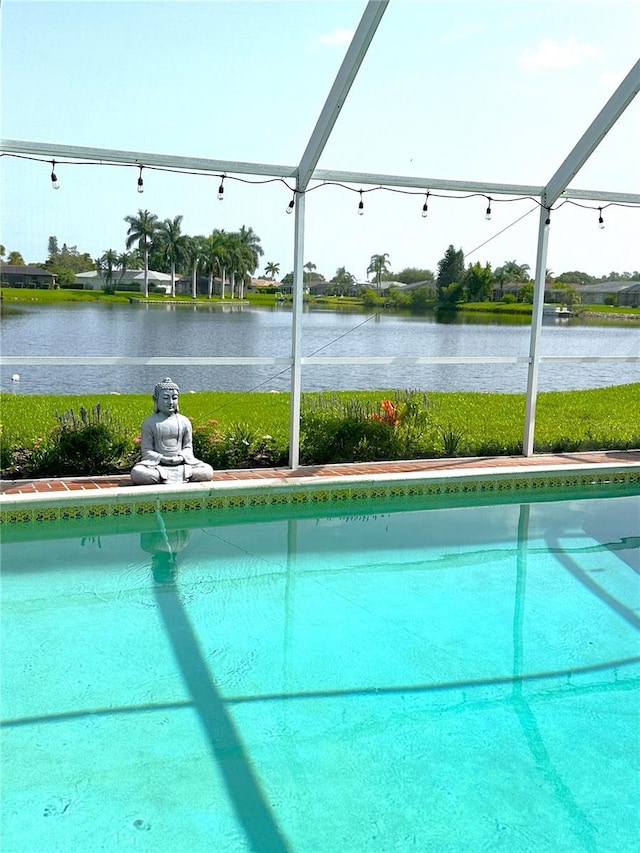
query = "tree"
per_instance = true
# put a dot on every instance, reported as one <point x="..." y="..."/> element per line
<point x="512" y="271"/>
<point x="251" y="242"/>
<point x="526" y="292"/>
<point x="142" y="230"/>
<point x="52" y="248"/>
<point x="2" y="251"/>
<point x="378" y="265"/>
<point x="224" y="256"/>
<point x="194" y="251"/>
<point x="271" y="270"/>
<point x="343" y="281"/>
<point x="309" y="267"/>
<point x="412" y="275"/>
<point x="478" y="282"/>
<point x="128" y="261"/>
<point x="106" y="265"/>
<point x="16" y="259"/>
<point x="421" y="298"/>
<point x="450" y="272"/>
<point x="215" y="258"/>
<point x="566" y="294"/>
<point x="241" y="260"/>
<point x="65" y="263"/>
<point x="172" y="244"/>
<point x="575" y="277"/>
<point x="343" y="277"/>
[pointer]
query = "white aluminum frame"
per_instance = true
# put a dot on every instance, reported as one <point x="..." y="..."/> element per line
<point x="305" y="171"/>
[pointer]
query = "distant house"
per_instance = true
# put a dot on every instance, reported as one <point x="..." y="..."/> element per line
<point x="625" y="292"/>
<point x="127" y="280"/>
<point x="511" y="288"/>
<point x="12" y="275"/>
<point x="260" y="284"/>
<point x="630" y="296"/>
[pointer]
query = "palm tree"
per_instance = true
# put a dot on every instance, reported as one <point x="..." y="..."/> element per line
<point x="512" y="271"/>
<point x="173" y="240"/>
<point x="241" y="259"/>
<point x="251" y="242"/>
<point x="223" y="240"/>
<point x="272" y="270"/>
<point x="128" y="261"/>
<point x="310" y="267"/>
<point x="379" y="265"/>
<point x="142" y="230"/>
<point x="107" y="264"/>
<point x="214" y="258"/>
<point x="194" y="251"/>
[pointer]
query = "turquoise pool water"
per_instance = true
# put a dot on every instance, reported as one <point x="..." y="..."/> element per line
<point x="459" y="679"/>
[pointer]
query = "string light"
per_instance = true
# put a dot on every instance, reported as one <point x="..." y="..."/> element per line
<point x="453" y="195"/>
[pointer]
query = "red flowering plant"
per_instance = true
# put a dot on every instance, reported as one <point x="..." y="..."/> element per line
<point x="389" y="413"/>
<point x="338" y="429"/>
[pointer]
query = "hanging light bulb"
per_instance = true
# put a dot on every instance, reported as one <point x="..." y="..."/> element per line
<point x="425" y="206"/>
<point x="140" y="182"/>
<point x="221" y="189"/>
<point x="487" y="215"/>
<point x="360" y="205"/>
<point x="600" y="219"/>
<point x="291" y="204"/>
<point x="54" y="179"/>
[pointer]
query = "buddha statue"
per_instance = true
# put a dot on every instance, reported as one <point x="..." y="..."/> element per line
<point x="166" y="443"/>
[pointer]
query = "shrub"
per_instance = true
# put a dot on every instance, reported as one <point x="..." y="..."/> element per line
<point x="335" y="429"/>
<point x="7" y="450"/>
<point x="451" y="438"/>
<point x="85" y="444"/>
<point x="237" y="447"/>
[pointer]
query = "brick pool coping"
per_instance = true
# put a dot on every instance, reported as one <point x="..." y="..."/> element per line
<point x="427" y="468"/>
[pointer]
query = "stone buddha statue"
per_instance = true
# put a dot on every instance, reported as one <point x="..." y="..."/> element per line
<point x="166" y="443"/>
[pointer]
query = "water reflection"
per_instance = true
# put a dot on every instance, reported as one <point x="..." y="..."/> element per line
<point x="164" y="547"/>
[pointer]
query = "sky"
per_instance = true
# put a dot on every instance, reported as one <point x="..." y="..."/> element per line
<point x="496" y="92"/>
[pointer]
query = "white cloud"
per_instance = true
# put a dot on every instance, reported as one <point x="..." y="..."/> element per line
<point x="553" y="54"/>
<point x="337" y="38"/>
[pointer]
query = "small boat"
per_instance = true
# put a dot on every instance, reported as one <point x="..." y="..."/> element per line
<point x="556" y="311"/>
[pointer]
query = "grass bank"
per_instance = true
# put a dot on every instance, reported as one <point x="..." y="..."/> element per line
<point x="485" y="424"/>
<point x="517" y="311"/>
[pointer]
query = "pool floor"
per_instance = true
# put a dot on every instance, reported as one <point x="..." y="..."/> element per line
<point x="458" y="679"/>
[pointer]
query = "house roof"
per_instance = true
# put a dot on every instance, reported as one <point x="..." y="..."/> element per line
<point x="24" y="269"/>
<point x="609" y="286"/>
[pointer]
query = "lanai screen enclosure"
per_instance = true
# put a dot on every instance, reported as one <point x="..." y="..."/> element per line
<point x="306" y="171"/>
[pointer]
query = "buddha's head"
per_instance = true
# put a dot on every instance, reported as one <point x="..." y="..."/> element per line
<point x="165" y="396"/>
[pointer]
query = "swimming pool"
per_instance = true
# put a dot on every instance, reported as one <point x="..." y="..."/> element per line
<point x="417" y="672"/>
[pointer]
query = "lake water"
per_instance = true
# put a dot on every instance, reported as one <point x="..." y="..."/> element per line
<point x="242" y="330"/>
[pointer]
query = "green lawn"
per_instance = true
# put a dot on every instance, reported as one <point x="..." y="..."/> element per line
<point x="606" y="417"/>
